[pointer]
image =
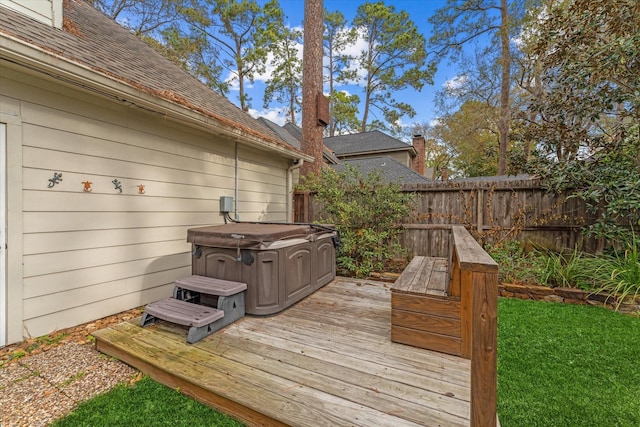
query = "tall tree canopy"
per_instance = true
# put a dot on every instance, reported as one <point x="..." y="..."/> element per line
<point x="285" y="84"/>
<point x="344" y="113"/>
<point x="463" y="21"/>
<point x="336" y="39"/>
<point x="394" y="59"/>
<point x="586" y="112"/>
<point x="240" y="31"/>
<point x="469" y="134"/>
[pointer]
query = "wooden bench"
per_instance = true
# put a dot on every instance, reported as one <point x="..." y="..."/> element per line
<point x="421" y="313"/>
<point x="203" y="303"/>
<point x="454" y="312"/>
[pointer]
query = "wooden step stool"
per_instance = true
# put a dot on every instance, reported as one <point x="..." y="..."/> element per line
<point x="187" y="307"/>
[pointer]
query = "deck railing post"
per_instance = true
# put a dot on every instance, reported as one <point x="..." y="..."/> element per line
<point x="484" y="343"/>
<point x="478" y="278"/>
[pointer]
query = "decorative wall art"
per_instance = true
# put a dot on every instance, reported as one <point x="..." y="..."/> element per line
<point x="57" y="177"/>
<point x="118" y="185"/>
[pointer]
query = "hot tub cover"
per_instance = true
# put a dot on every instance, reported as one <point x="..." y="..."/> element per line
<point x="248" y="235"/>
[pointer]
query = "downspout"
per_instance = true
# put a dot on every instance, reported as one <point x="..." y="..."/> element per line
<point x="235" y="194"/>
<point x="297" y="163"/>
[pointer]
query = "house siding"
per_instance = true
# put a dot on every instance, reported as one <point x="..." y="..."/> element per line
<point x="45" y="11"/>
<point x="86" y="255"/>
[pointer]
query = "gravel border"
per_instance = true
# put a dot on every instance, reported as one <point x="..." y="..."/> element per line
<point x="40" y="383"/>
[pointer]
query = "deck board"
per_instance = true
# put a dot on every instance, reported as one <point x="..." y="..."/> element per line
<point x="328" y="360"/>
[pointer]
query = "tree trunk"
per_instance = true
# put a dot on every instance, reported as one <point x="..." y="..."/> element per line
<point x="505" y="109"/>
<point x="312" y="85"/>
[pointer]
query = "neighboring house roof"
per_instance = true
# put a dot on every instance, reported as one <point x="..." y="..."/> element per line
<point x="294" y="130"/>
<point x="293" y="135"/>
<point x="119" y="61"/>
<point x="366" y="143"/>
<point x="391" y="170"/>
<point x="282" y="131"/>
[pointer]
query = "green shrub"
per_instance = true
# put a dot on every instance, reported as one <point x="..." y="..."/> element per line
<point x="368" y="213"/>
<point x="619" y="274"/>
<point x="574" y="269"/>
<point x="616" y="274"/>
<point x="515" y="266"/>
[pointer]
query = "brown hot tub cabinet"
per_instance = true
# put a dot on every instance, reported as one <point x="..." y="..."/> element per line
<point x="280" y="263"/>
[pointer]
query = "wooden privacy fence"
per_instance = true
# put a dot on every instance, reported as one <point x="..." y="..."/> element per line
<point x="493" y="210"/>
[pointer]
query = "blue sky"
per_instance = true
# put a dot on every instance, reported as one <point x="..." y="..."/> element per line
<point x="419" y="10"/>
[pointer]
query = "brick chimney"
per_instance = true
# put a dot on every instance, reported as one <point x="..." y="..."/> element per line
<point x="419" y="160"/>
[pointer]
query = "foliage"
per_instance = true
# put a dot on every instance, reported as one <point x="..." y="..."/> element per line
<point x="367" y="212"/>
<point x="145" y="403"/>
<point x="586" y="110"/>
<point x="567" y="365"/>
<point x="344" y="117"/>
<point x="515" y="266"/>
<point x="242" y="32"/>
<point x="394" y="59"/>
<point x="285" y="83"/>
<point x="437" y="154"/>
<point x="470" y="134"/>
<point x="561" y="269"/>
<point x="336" y="40"/>
<point x="616" y="275"/>
<point x="461" y="22"/>
<point x="164" y="25"/>
<point x="620" y="273"/>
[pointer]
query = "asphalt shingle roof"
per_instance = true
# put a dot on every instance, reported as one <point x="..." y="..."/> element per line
<point x="282" y="131"/>
<point x="91" y="39"/>
<point x="365" y="142"/>
<point x="390" y="169"/>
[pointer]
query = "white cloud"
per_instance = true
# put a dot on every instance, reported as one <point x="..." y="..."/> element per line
<point x="355" y="50"/>
<point x="276" y="115"/>
<point x="456" y="83"/>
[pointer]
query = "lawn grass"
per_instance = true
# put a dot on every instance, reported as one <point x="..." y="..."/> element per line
<point x="558" y="365"/>
<point x="567" y="365"/>
<point x="147" y="403"/>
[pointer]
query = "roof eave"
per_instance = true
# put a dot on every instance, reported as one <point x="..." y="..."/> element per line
<point x="88" y="79"/>
<point x="411" y="150"/>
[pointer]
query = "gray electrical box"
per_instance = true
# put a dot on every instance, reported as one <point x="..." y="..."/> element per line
<point x="226" y="204"/>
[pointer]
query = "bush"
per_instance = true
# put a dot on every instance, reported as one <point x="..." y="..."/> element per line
<point x="616" y="275"/>
<point x="515" y="265"/>
<point x="367" y="212"/>
<point x="620" y="272"/>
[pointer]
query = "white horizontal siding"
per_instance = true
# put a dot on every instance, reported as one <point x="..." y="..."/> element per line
<point x="46" y="11"/>
<point x="90" y="311"/>
<point x="90" y="254"/>
<point x="73" y="279"/>
<point x="38" y="243"/>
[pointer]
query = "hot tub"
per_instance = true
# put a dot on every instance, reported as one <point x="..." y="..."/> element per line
<point x="280" y="263"/>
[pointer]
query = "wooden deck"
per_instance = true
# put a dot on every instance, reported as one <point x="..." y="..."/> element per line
<point x="327" y="361"/>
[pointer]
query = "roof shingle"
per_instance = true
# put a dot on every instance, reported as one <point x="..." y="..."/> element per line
<point x="91" y="39"/>
<point x="365" y="142"/>
<point x="390" y="169"/>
